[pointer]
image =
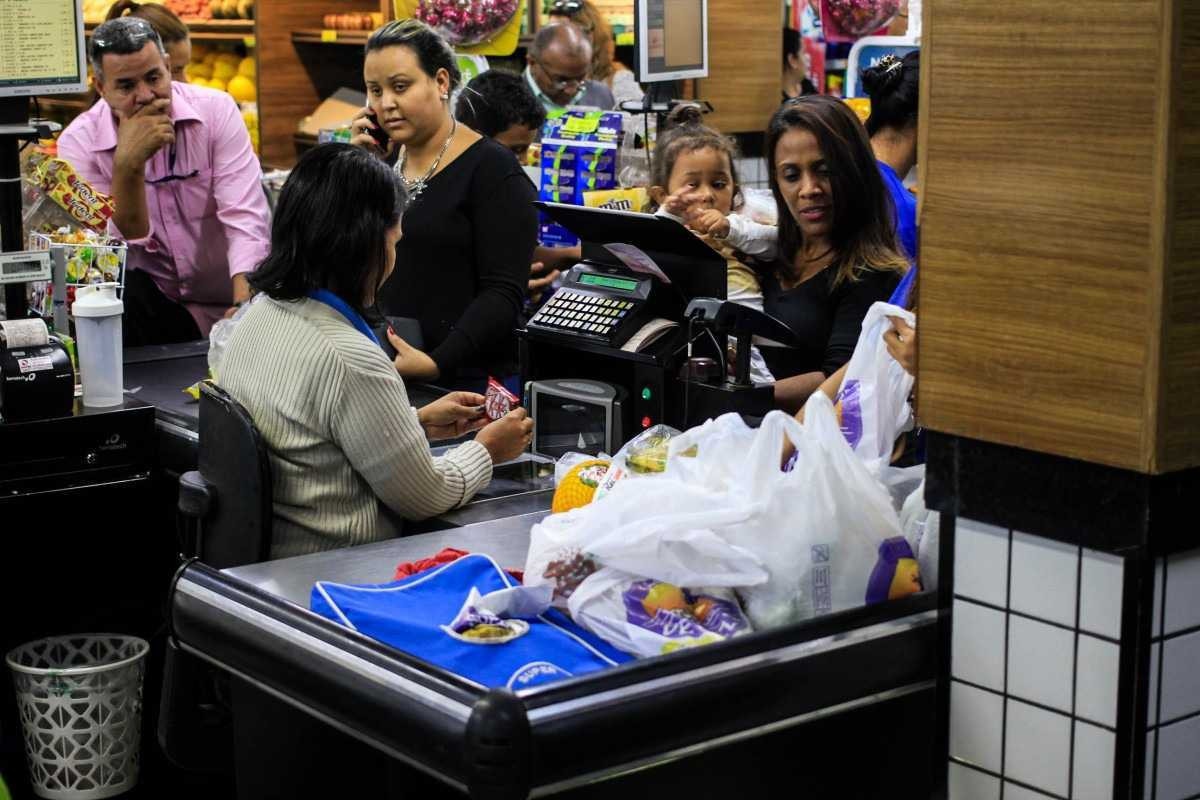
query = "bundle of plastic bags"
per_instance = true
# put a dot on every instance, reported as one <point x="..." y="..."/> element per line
<point x="723" y="540"/>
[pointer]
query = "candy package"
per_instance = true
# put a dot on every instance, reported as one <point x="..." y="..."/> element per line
<point x="499" y="400"/>
<point x="84" y="205"/>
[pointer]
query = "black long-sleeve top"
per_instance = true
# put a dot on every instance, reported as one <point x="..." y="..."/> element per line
<point x="462" y="262"/>
<point x="826" y="319"/>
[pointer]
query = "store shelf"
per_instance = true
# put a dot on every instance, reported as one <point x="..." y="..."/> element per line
<point x="328" y="36"/>
<point x="213" y="29"/>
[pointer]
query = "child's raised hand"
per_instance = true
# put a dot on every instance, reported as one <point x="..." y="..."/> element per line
<point x="708" y="222"/>
<point x="677" y="204"/>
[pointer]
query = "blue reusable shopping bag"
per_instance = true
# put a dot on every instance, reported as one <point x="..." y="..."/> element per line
<point x="413" y="615"/>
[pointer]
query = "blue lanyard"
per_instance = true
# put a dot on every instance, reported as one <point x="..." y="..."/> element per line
<point x="342" y="307"/>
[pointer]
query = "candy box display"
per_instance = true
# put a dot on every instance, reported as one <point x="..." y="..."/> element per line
<point x="578" y="155"/>
<point x="89" y="257"/>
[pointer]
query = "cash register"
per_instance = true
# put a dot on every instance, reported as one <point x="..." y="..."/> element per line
<point x="638" y="308"/>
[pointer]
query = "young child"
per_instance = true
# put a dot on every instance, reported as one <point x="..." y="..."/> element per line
<point x="695" y="182"/>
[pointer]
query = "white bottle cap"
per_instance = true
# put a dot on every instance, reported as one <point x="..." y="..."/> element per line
<point x="97" y="300"/>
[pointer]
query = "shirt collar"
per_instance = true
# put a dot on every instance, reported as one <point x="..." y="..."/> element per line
<point x="546" y="102"/>
<point x="106" y="126"/>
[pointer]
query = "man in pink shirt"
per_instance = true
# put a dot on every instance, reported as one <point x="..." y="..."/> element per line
<point x="178" y="162"/>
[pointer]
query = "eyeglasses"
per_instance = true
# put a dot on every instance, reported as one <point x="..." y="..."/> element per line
<point x="171" y="170"/>
<point x="559" y="81"/>
<point x="123" y="32"/>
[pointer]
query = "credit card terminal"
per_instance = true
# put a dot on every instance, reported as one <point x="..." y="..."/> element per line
<point x="605" y="305"/>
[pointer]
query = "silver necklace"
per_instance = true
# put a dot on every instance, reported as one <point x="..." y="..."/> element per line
<point x="415" y="187"/>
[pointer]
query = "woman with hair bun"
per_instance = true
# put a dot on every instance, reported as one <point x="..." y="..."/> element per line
<point x="894" y="86"/>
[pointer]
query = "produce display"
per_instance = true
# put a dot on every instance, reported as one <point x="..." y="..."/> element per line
<point x="353" y="21"/>
<point x="227" y="71"/>
<point x="94" y="11"/>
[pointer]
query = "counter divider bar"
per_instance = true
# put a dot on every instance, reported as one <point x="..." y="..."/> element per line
<point x="923" y="605"/>
<point x="794" y="652"/>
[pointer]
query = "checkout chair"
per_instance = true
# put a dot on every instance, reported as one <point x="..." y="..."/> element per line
<point x="225" y="515"/>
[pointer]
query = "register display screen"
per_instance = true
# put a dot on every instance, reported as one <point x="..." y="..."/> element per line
<point x="40" y="46"/>
<point x="607" y="282"/>
<point x="566" y="426"/>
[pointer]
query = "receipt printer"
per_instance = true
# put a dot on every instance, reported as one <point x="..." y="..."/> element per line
<point x="36" y="377"/>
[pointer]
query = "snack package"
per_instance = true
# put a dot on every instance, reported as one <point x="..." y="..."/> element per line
<point x="632" y="199"/>
<point x="73" y="194"/>
<point x="644" y="454"/>
<point x="579" y="154"/>
<point x="499" y="400"/>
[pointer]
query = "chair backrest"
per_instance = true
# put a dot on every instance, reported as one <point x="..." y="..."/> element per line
<point x="234" y="461"/>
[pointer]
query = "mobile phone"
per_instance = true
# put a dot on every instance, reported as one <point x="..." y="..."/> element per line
<point x="378" y="133"/>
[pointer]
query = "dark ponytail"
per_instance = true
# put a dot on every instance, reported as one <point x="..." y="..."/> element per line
<point x="894" y="86"/>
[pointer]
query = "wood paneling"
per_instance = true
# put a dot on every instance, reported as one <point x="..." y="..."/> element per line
<point x="744" y="44"/>
<point x="294" y="78"/>
<point x="1179" y="421"/>
<point x="1059" y="271"/>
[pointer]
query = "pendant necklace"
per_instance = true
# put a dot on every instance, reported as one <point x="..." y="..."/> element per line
<point x="415" y="187"/>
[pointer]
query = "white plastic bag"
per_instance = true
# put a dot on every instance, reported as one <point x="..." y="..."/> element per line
<point x="222" y="329"/>
<point x="873" y="400"/>
<point x="820" y="525"/>
<point x="646" y="617"/>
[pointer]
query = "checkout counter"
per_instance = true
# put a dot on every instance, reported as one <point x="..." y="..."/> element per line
<point x="807" y="706"/>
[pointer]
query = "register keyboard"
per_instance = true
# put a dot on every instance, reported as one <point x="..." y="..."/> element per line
<point x="594" y="305"/>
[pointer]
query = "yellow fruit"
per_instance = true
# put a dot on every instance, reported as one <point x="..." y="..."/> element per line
<point x="198" y="81"/>
<point x="242" y="89"/>
<point x="194" y="71"/>
<point x="217" y="83"/>
<point x="209" y="58"/>
<point x="579" y="485"/>
<point x="664" y="596"/>
<point x="223" y="70"/>
<point x="247" y="67"/>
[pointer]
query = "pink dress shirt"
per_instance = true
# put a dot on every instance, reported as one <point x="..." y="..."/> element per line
<point x="205" y="228"/>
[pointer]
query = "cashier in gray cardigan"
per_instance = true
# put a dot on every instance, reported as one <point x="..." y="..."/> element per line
<point x="346" y="447"/>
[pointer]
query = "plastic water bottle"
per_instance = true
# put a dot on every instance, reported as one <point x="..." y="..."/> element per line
<point x="97" y="312"/>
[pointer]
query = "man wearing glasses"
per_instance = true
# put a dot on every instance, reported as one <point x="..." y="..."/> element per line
<point x="186" y="184"/>
<point x="559" y="63"/>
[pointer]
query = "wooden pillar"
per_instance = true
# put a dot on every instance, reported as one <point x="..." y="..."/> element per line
<point x="1059" y="374"/>
<point x="745" y="40"/>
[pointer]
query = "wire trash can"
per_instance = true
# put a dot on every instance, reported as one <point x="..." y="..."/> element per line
<point x="80" y="702"/>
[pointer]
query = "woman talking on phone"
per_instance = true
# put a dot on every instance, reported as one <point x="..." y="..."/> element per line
<point x="470" y="226"/>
